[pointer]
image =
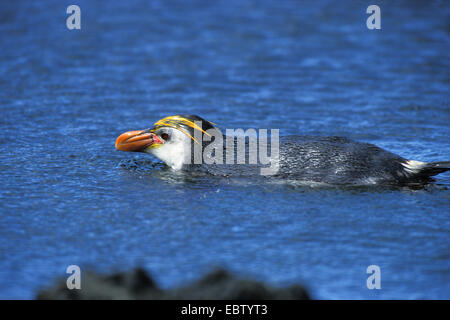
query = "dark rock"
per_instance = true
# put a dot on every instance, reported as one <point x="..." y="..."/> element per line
<point x="136" y="284"/>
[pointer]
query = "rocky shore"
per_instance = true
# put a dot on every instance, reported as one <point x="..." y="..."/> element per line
<point x="137" y="284"/>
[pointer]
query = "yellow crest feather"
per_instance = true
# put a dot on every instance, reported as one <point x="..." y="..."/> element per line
<point x="176" y="122"/>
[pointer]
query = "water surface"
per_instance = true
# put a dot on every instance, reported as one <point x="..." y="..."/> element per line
<point x="313" y="68"/>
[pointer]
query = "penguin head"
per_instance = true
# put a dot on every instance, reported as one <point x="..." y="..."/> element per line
<point x="171" y="139"/>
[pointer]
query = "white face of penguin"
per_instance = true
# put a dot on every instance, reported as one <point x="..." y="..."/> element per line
<point x="175" y="149"/>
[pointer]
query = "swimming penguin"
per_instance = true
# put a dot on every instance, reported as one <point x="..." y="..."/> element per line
<point x="178" y="140"/>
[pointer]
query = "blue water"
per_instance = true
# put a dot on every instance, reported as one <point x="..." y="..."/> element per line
<point x="312" y="67"/>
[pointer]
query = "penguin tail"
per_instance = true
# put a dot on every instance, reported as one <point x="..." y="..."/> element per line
<point x="424" y="169"/>
<point x="434" y="168"/>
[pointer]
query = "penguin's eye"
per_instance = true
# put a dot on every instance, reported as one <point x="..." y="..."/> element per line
<point x="165" y="136"/>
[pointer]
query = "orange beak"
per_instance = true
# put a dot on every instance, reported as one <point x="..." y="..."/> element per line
<point x="136" y="140"/>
